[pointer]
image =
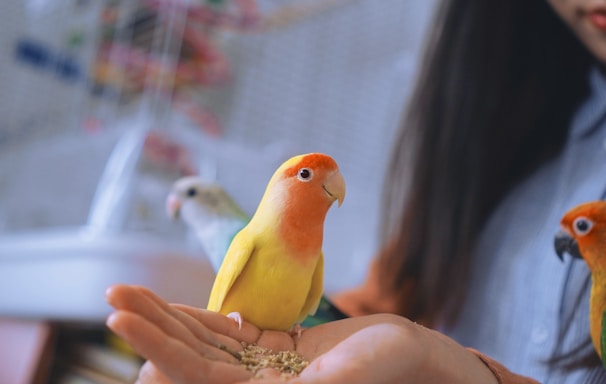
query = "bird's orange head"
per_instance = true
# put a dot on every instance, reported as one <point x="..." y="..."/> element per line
<point x="315" y="176"/>
<point x="584" y="234"/>
<point x="300" y="192"/>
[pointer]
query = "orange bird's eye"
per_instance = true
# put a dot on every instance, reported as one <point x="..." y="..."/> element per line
<point x="305" y="174"/>
<point x="582" y="225"/>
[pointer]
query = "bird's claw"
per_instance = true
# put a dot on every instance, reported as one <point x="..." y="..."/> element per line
<point x="235" y="316"/>
<point x="297" y="329"/>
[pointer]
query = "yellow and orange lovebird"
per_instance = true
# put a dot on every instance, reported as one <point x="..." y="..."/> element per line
<point x="583" y="235"/>
<point x="273" y="272"/>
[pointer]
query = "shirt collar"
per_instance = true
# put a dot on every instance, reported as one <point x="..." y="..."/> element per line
<point x="593" y="111"/>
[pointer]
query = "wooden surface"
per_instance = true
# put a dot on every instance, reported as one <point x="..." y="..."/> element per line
<point x="25" y="351"/>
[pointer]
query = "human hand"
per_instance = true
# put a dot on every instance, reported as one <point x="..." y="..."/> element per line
<point x="188" y="345"/>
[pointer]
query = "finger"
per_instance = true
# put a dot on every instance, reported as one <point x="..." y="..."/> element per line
<point x="138" y="300"/>
<point x="200" y="332"/>
<point x="223" y="325"/>
<point x="223" y="342"/>
<point x="274" y="340"/>
<point x="141" y="301"/>
<point x="177" y="360"/>
<point x="137" y="330"/>
<point x="135" y="299"/>
<point x="277" y="341"/>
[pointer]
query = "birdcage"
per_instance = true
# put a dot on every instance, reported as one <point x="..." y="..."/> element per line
<point x="104" y="104"/>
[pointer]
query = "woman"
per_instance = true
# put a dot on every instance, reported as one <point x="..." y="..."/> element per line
<point x="503" y="134"/>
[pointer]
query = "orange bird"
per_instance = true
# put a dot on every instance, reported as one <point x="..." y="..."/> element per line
<point x="583" y="236"/>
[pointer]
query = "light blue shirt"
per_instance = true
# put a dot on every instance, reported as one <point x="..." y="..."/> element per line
<point x="521" y="293"/>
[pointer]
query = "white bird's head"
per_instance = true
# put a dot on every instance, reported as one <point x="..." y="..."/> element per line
<point x="192" y="197"/>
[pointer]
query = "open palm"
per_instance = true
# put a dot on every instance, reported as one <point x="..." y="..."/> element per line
<point x="189" y="345"/>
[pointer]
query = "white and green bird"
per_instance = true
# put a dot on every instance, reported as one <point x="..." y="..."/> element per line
<point x="209" y="211"/>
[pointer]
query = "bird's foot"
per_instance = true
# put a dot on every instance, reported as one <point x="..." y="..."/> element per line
<point x="235" y="316"/>
<point x="297" y="329"/>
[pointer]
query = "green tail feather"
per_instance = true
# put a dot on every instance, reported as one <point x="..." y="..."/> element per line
<point x="326" y="312"/>
<point x="603" y="339"/>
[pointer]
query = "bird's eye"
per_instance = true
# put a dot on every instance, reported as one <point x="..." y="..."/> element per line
<point x="191" y="192"/>
<point x="582" y="226"/>
<point x="305" y="174"/>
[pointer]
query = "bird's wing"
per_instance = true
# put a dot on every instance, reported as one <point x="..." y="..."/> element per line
<point x="315" y="291"/>
<point x="238" y="254"/>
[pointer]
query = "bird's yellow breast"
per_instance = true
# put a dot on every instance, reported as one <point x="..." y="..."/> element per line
<point x="272" y="289"/>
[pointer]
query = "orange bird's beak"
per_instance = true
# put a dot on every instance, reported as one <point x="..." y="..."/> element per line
<point x="564" y="243"/>
<point x="335" y="186"/>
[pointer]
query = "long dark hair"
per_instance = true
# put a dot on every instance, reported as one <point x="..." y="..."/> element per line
<point x="499" y="83"/>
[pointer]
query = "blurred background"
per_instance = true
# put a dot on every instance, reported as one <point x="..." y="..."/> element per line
<point x="104" y="104"/>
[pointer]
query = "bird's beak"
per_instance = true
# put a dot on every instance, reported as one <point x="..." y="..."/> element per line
<point x="173" y="206"/>
<point x="335" y="186"/>
<point x="564" y="243"/>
